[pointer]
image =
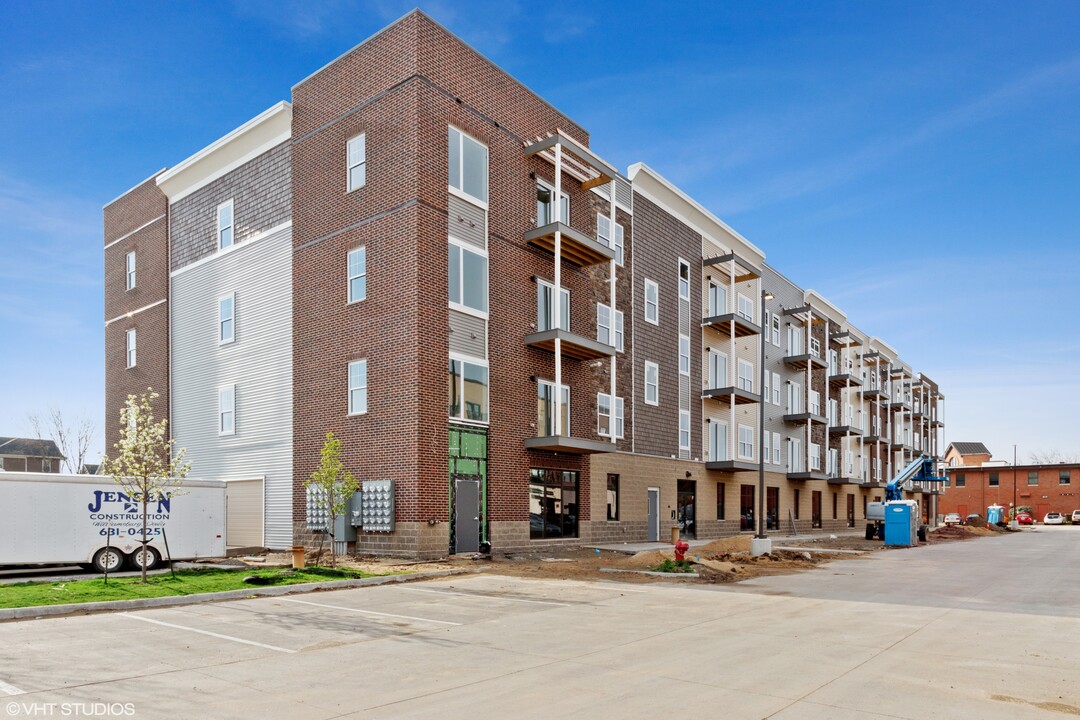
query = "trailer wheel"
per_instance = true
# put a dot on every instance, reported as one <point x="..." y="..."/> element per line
<point x="108" y="560"/>
<point x="151" y="558"/>
<point x="922" y="533"/>
<point x="870" y="531"/>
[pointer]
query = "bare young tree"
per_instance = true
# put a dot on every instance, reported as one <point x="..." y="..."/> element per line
<point x="1052" y="457"/>
<point x="73" y="437"/>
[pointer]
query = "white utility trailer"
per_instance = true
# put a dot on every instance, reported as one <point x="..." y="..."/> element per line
<point x="51" y="519"/>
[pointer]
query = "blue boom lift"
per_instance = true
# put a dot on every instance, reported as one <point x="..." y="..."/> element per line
<point x="901" y="516"/>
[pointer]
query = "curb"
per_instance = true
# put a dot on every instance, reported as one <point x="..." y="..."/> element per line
<point x="42" y="611"/>
<point x="653" y="573"/>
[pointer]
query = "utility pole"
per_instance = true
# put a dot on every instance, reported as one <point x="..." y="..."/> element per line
<point x="1014" y="484"/>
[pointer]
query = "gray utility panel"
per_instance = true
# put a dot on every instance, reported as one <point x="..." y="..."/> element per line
<point x="467" y="514"/>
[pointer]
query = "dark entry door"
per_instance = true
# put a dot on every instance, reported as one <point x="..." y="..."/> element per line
<point x="772" y="508"/>
<point x="653" y="515"/>
<point x="815" y="508"/>
<point x="687" y="528"/>
<point x="746" y="507"/>
<point x="466" y="514"/>
<point x="850" y="510"/>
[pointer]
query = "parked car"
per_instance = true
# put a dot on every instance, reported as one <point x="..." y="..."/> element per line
<point x="952" y="519"/>
<point x="1025" y="518"/>
<point x="1076" y="517"/>
<point x="1053" y="518"/>
<point x="973" y="517"/>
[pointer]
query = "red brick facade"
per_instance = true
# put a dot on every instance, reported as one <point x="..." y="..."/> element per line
<point x="1043" y="488"/>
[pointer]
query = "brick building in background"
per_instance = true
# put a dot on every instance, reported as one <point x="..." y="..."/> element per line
<point x="422" y="256"/>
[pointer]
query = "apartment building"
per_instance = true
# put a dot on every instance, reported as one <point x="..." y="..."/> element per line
<point x="422" y="256"/>
<point x="1042" y="488"/>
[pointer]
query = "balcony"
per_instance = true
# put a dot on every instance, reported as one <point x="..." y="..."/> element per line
<point x="871" y="484"/>
<point x="900" y="445"/>
<point x="844" y="430"/>
<point x="845" y="338"/>
<point x="573" y="346"/>
<point x="569" y="445"/>
<point x="730" y="395"/>
<point x="578" y="248"/>
<point x="801" y="418"/>
<point x="900" y="405"/>
<point x="874" y="394"/>
<point x="807" y="475"/>
<point x="875" y="439"/>
<point x="844" y="380"/>
<point x="937" y="424"/>
<point x="731" y="465"/>
<point x="732" y="325"/>
<point x="804" y="361"/>
<point x="874" y="358"/>
<point x="843" y="480"/>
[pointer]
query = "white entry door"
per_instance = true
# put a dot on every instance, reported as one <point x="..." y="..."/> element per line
<point x="244" y="513"/>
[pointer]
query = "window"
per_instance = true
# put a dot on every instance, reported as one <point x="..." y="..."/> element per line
<point x="961" y="480"/>
<point x="468" y="162"/>
<point x="612" y="497"/>
<point x="130" y="265"/>
<point x="776" y="449"/>
<point x="717" y="369"/>
<point x="357" y="269"/>
<point x="775" y="388"/>
<point x="718" y="440"/>
<point x="721" y="492"/>
<point x="1063" y="477"/>
<point x="603" y="327"/>
<point x="796" y="503"/>
<point x="225" y="225"/>
<point x="776" y="330"/>
<point x="603" y="415"/>
<point x="746" y="308"/>
<point x="546" y="416"/>
<point x="467" y="278"/>
<point x="1033" y="477"/>
<point x="815" y="456"/>
<point x="765" y="388"/>
<point x="815" y="402"/>
<point x="717" y="299"/>
<point x="795" y="340"/>
<point x="358" y="387"/>
<point x="603" y="235"/>
<point x="994" y="480"/>
<point x="652" y="383"/>
<point x="684" y="280"/>
<point x="746" y="442"/>
<point x="795" y="456"/>
<point x="684" y="430"/>
<point x="545" y="307"/>
<point x="46" y="465"/>
<point x="652" y="302"/>
<point x="746" y="376"/>
<point x="226" y="319"/>
<point x="227" y="410"/>
<point x="815" y="347"/>
<point x="468" y="390"/>
<point x="766" y="451"/>
<point x="794" y="399"/>
<point x="684" y="355"/>
<point x="131" y="348"/>
<point x="545" y="207"/>
<point x="553" y="503"/>
<point x="357" y="162"/>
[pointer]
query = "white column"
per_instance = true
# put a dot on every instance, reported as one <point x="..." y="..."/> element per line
<point x="557" y="200"/>
<point x="612" y="295"/>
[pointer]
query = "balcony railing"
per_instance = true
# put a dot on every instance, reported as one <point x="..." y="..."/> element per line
<point x="804" y="360"/>
<point x="732" y="325"/>
<point x="576" y="247"/>
<point x="730" y="395"/>
<point x="573" y="345"/>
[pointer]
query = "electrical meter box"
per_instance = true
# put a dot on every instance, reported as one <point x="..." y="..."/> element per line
<point x="318" y="520"/>
<point x="377" y="506"/>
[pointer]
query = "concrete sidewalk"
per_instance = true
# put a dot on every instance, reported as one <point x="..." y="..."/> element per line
<point x="633" y="548"/>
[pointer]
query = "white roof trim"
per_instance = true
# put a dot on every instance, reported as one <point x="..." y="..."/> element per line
<point x="884" y="348"/>
<point x="657" y="188"/>
<point x="263" y="132"/>
<point x="824" y="307"/>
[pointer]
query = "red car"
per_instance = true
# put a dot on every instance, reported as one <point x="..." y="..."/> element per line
<point x="1025" y="518"/>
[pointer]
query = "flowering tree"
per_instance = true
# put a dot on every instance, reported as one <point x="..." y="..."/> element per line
<point x="331" y="486"/>
<point x="145" y="465"/>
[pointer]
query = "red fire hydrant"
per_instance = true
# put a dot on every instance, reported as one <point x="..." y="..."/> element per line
<point x="680" y="549"/>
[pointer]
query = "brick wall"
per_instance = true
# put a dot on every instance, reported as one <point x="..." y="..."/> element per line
<point x="1047" y="495"/>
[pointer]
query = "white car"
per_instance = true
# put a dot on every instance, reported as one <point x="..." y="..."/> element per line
<point x="1076" y="517"/>
<point x="951" y="519"/>
<point x="1053" y="518"/>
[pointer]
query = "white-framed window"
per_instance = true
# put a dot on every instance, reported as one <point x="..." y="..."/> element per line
<point x="227" y="410"/>
<point x="467" y="278"/>
<point x="776" y="330"/>
<point x="815" y="402"/>
<point x="226" y="319"/>
<point x="652" y="302"/>
<point x="546" y="419"/>
<point x="46" y="465"/>
<point x="684" y="430"/>
<point x="834" y="362"/>
<point x="652" y="383"/>
<point x="815" y="347"/>
<point x="766" y="450"/>
<point x="746" y="375"/>
<point x="356" y="162"/>
<point x="545" y="206"/>
<point x="684" y="280"/>
<point x="603" y="327"/>
<point x="765" y="392"/>
<point x="717" y="369"/>
<point x="225" y="224"/>
<point x="795" y="344"/>
<point x="777" y="452"/>
<point x="358" y="385"/>
<point x="746" y="442"/>
<point x="684" y="354"/>
<point x="849" y="463"/>
<point x="717" y="299"/>
<point x="603" y="236"/>
<point x="468" y="388"/>
<point x="795" y="457"/>
<point x="794" y="398"/>
<point x="131" y="348"/>
<point x="815" y="456"/>
<point x="604" y="417"/>
<point x="129" y="264"/>
<point x="468" y="165"/>
<point x="545" y="306"/>
<point x="746" y="308"/>
<point x="776" y="389"/>
<point x="766" y="321"/>
<point x="356" y="262"/>
<point x="718" y="441"/>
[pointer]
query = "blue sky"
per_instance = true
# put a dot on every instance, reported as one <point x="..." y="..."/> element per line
<point x="916" y="163"/>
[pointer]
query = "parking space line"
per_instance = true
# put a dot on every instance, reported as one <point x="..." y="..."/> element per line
<point x="10" y="689"/>
<point x="366" y="612"/>
<point x="275" y="648"/>
<point x="486" y="597"/>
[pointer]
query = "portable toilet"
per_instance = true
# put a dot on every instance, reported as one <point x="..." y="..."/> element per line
<point x="995" y="515"/>
<point x="902" y="523"/>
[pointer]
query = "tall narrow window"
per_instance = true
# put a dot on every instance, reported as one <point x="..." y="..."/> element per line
<point x="226" y="319"/>
<point x="130" y="265"/>
<point x="684" y="430"/>
<point x="131" y="348"/>
<point x="746" y="442"/>
<point x="652" y="383"/>
<point x="746" y="376"/>
<point x="776" y="388"/>
<point x="468" y="390"/>
<point x="603" y="235"/>
<point x="766" y="452"/>
<point x="225" y="224"/>
<point x="358" y="384"/>
<point x="605" y="420"/>
<point x="604" y="327"/>
<point x="746" y="308"/>
<point x="612" y="497"/>
<point x="546" y="408"/>
<point x="357" y="162"/>
<point x="717" y="299"/>
<point x="545" y="205"/>
<point x="227" y="410"/>
<point x="357" y="270"/>
<point x="652" y="302"/>
<point x="776" y="330"/>
<point x="468" y="160"/>
<point x="684" y="280"/>
<point x="545" y="307"/>
<point x="684" y="355"/>
<point x="777" y="449"/>
<point x="467" y="277"/>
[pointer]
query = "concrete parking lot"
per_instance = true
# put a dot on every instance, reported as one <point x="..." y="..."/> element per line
<point x="986" y="628"/>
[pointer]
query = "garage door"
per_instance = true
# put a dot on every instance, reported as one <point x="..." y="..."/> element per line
<point x="244" y="513"/>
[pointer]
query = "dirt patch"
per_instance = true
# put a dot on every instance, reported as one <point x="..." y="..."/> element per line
<point x="738" y="543"/>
